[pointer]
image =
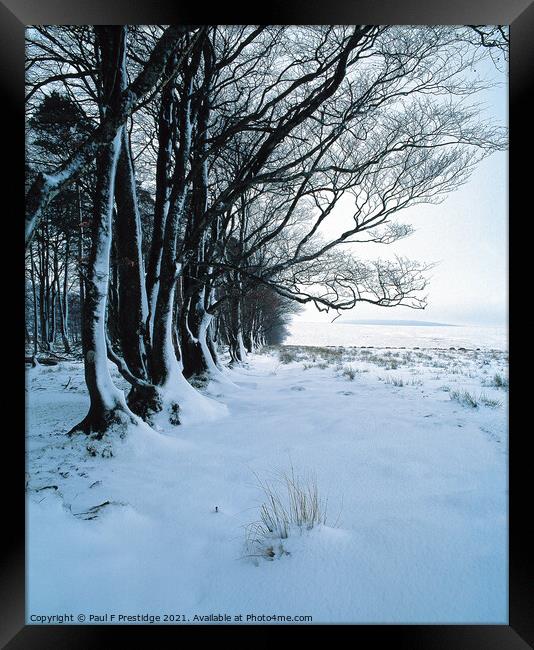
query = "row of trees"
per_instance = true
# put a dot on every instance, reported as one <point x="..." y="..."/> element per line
<point x="190" y="186"/>
<point x="57" y="256"/>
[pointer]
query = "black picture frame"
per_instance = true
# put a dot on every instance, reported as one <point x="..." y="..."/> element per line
<point x="14" y="16"/>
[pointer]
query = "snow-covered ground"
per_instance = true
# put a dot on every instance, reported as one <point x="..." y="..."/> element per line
<point x="416" y="482"/>
<point x="342" y="333"/>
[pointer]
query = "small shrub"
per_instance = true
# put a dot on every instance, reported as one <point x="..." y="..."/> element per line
<point x="349" y="372"/>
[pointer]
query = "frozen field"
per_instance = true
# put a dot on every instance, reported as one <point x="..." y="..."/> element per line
<point x="339" y="333"/>
<point x="409" y="447"/>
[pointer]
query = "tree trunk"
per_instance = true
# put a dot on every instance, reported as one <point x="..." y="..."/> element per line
<point x="236" y="346"/>
<point x="193" y="357"/>
<point x="144" y="399"/>
<point x="34" y="296"/>
<point x="66" y="291"/>
<point x="164" y="361"/>
<point x="81" y="281"/>
<point x="43" y="318"/>
<point x="164" y="364"/>
<point x="166" y="126"/>
<point x="133" y="308"/>
<point x="108" y="406"/>
<point x="194" y="322"/>
<point x="112" y="317"/>
<point x="52" y="312"/>
<point x="61" y="312"/>
<point x="46" y="301"/>
<point x="212" y="344"/>
<point x="62" y="330"/>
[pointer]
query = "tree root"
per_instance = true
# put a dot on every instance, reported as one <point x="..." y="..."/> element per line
<point x="145" y="401"/>
<point x="97" y="424"/>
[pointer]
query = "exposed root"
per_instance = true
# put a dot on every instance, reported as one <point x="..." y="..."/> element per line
<point x="97" y="424"/>
<point x="145" y="401"/>
<point x="174" y="411"/>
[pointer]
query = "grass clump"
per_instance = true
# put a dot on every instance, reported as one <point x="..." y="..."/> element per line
<point x="395" y="381"/>
<point x="349" y="372"/>
<point x="499" y="381"/>
<point x="294" y="505"/>
<point x="489" y="402"/>
<point x="466" y="398"/>
<point x="287" y="356"/>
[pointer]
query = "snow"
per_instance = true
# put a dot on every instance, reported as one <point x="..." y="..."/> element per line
<point x="416" y="483"/>
<point x="194" y="406"/>
<point x="341" y="333"/>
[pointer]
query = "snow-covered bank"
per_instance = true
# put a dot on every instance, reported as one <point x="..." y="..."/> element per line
<point x="416" y="485"/>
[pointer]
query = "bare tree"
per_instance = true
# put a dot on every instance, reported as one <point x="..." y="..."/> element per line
<point x="108" y="406"/>
<point x="46" y="186"/>
<point x="244" y="168"/>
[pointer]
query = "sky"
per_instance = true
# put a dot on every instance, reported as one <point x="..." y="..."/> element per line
<point x="467" y="235"/>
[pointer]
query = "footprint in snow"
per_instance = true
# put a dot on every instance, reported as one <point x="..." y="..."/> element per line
<point x="345" y="392"/>
<point x="299" y="388"/>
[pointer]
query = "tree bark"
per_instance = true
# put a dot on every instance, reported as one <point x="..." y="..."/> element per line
<point x="164" y="364"/>
<point x="211" y="342"/>
<point x="166" y="126"/>
<point x="43" y="298"/>
<point x="66" y="290"/>
<point x="81" y="281"/>
<point x="143" y="399"/>
<point x="34" y="296"/>
<point x="236" y="346"/>
<point x="193" y="357"/>
<point x="194" y="321"/>
<point x="133" y="308"/>
<point x="61" y="311"/>
<point x="108" y="406"/>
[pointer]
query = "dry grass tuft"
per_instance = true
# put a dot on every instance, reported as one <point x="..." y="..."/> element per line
<point x="292" y="505"/>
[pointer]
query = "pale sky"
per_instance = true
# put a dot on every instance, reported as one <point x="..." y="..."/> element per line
<point x="467" y="234"/>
